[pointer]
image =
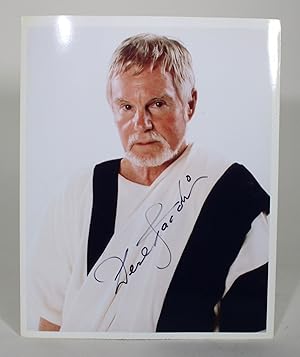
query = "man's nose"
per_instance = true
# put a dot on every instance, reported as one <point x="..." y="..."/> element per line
<point x="142" y="121"/>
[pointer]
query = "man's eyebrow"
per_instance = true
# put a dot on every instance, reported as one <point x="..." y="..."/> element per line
<point x="161" y="97"/>
<point x="120" y="100"/>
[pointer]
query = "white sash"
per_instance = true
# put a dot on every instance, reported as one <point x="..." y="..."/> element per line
<point x="126" y="288"/>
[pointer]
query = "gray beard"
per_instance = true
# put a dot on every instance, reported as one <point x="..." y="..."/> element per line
<point x="167" y="154"/>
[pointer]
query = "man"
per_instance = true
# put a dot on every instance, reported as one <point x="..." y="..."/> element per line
<point x="168" y="238"/>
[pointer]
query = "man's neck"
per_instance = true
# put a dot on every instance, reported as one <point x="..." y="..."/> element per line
<point x="145" y="175"/>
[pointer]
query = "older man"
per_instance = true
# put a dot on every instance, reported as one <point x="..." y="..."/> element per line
<point x="168" y="238"/>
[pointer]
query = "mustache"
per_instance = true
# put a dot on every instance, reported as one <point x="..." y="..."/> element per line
<point x="144" y="138"/>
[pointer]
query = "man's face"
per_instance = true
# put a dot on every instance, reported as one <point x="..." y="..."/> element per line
<point x="150" y="116"/>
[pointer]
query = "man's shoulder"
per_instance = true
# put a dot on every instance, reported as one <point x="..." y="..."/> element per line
<point x="222" y="166"/>
<point x="238" y="174"/>
<point x="238" y="190"/>
<point x="106" y="173"/>
<point x="232" y="178"/>
<point x="109" y="166"/>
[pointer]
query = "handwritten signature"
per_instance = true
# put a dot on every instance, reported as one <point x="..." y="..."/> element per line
<point x="153" y="236"/>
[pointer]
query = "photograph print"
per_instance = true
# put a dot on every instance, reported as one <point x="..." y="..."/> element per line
<point x="148" y="176"/>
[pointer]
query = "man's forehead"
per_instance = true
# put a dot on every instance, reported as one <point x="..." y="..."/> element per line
<point x="149" y="82"/>
<point x="126" y="90"/>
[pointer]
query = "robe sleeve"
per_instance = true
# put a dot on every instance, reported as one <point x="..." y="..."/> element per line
<point x="243" y="307"/>
<point x="55" y="252"/>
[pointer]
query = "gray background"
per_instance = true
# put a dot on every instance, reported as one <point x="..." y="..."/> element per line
<point x="287" y="331"/>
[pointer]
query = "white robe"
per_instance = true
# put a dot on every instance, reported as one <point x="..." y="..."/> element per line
<point x="144" y="253"/>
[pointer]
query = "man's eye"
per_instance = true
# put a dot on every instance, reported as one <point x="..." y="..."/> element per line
<point x="126" y="107"/>
<point x="158" y="104"/>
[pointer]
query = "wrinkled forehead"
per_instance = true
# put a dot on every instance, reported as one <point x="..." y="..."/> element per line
<point x="149" y="80"/>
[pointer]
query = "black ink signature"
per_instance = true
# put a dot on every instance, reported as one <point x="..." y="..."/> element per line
<point x="154" y="233"/>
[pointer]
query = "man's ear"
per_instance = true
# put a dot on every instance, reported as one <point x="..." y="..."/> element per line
<point x="192" y="103"/>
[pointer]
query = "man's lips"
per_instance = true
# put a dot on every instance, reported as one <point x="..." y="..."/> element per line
<point x="145" y="142"/>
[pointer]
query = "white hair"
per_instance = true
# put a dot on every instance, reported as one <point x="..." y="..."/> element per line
<point x="149" y="50"/>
